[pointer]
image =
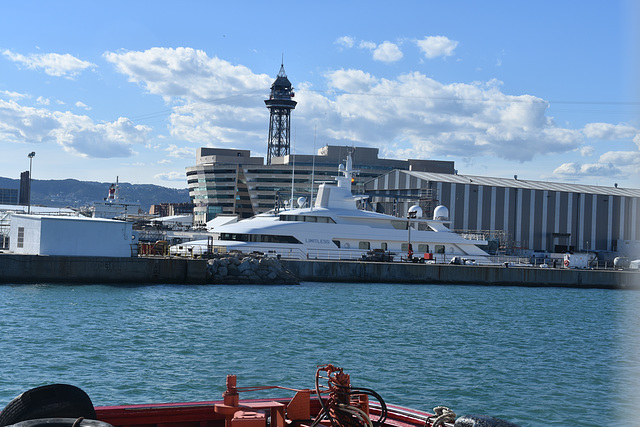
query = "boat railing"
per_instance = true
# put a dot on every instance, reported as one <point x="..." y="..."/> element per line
<point x="276" y="252"/>
<point x="341" y="255"/>
<point x="270" y="251"/>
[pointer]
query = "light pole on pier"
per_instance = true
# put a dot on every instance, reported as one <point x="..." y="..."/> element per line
<point x="414" y="212"/>
<point x="31" y="155"/>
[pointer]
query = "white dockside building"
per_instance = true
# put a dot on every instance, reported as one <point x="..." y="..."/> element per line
<point x="70" y="236"/>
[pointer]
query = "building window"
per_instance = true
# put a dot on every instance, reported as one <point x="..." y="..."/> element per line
<point x="21" y="237"/>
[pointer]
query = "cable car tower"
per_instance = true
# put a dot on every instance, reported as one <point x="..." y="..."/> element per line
<point x="280" y="105"/>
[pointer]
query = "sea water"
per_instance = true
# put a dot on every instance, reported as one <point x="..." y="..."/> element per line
<point x="534" y="356"/>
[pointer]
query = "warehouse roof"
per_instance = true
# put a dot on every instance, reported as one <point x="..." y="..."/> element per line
<point x="523" y="183"/>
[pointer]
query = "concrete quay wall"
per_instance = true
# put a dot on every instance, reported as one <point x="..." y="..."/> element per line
<point x="71" y="269"/>
<point x="381" y="272"/>
<point x="67" y="269"/>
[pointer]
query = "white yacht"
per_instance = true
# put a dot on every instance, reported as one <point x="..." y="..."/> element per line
<point x="334" y="228"/>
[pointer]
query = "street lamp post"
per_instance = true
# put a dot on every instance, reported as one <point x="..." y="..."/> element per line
<point x="31" y="155"/>
<point x="413" y="213"/>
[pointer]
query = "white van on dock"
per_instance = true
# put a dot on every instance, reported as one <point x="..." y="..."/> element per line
<point x="576" y="261"/>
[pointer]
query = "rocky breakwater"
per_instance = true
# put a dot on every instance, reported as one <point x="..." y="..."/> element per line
<point x="239" y="268"/>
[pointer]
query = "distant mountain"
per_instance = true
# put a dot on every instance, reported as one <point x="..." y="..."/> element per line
<point x="74" y="193"/>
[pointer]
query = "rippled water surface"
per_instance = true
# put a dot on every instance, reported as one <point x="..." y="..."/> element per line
<point x="533" y="356"/>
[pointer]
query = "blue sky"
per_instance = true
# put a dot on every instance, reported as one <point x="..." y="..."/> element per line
<point x="547" y="90"/>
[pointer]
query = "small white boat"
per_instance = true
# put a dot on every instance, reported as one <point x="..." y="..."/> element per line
<point x="334" y="228"/>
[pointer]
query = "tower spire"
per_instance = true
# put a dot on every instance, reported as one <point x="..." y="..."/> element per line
<point x="280" y="104"/>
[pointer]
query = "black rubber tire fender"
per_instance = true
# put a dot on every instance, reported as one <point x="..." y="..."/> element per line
<point x="61" y="422"/>
<point x="475" y="420"/>
<point x="49" y="401"/>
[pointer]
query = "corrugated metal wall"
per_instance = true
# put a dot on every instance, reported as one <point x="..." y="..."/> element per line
<point x="536" y="219"/>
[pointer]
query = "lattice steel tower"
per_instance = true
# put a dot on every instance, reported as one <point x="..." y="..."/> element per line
<point x="280" y="105"/>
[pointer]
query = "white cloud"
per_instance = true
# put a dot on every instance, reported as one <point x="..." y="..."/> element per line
<point x="610" y="131"/>
<point x="13" y="95"/>
<point x="384" y="52"/>
<point x="81" y="104"/>
<point x="180" y="152"/>
<point x="587" y="151"/>
<point x="77" y="134"/>
<point x="214" y="101"/>
<point x="25" y="124"/>
<point x="346" y="41"/>
<point x="170" y="176"/>
<point x="350" y="80"/>
<point x="54" y="64"/>
<point x="367" y="45"/>
<point x="622" y="158"/>
<point x="435" y="46"/>
<point x="187" y="73"/>
<point x="43" y="101"/>
<point x="610" y="164"/>
<point x="421" y="117"/>
<point x="577" y="170"/>
<point x="80" y="135"/>
<point x="387" y="52"/>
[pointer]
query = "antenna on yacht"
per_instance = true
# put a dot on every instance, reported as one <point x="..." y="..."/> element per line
<point x="293" y="169"/>
<point x="347" y="170"/>
<point x="313" y="166"/>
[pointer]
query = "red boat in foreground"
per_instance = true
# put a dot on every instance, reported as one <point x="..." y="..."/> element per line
<point x="333" y="403"/>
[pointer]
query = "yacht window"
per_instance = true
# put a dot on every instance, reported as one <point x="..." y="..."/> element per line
<point x="326" y="219"/>
<point x="383" y="246"/>
<point x="336" y="242"/>
<point x="404" y="247"/>
<point x="364" y="245"/>
<point x="439" y="249"/>
<point x="307" y="218"/>
<point x="423" y="248"/>
<point x="264" y="238"/>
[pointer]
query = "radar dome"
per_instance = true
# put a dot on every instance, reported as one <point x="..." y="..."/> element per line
<point x="301" y="201"/>
<point x="441" y="213"/>
<point x="415" y="211"/>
